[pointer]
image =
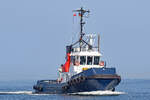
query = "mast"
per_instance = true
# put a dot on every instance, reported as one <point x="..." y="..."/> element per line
<point x="81" y="13"/>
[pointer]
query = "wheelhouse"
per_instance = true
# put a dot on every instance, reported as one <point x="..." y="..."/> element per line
<point x="84" y="60"/>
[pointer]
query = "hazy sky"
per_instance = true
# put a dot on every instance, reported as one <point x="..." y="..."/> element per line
<point x="34" y="33"/>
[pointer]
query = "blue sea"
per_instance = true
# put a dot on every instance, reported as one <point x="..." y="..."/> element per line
<point x="128" y="89"/>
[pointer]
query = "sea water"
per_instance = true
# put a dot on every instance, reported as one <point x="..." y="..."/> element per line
<point x="128" y="89"/>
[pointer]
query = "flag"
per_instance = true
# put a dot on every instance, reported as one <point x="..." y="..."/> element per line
<point x="74" y="14"/>
<point x="79" y="14"/>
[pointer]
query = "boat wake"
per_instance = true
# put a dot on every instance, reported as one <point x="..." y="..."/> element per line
<point x="15" y="92"/>
<point x="94" y="93"/>
<point x="19" y="92"/>
<point x="101" y="93"/>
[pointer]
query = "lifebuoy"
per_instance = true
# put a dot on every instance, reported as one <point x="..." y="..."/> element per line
<point x="77" y="63"/>
<point x="101" y="63"/>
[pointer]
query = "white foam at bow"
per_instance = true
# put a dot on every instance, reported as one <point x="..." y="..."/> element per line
<point x="98" y="93"/>
<point x="77" y="93"/>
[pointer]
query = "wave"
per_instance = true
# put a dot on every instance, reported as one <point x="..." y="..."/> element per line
<point x="15" y="92"/>
<point x="101" y="93"/>
<point x="77" y="93"/>
<point x="20" y="92"/>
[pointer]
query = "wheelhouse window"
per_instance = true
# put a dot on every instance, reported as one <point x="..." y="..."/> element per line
<point x="96" y="60"/>
<point x="82" y="60"/>
<point x="89" y="60"/>
<point x="73" y="59"/>
<point x="77" y="58"/>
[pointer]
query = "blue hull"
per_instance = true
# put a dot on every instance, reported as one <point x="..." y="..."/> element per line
<point x="90" y="80"/>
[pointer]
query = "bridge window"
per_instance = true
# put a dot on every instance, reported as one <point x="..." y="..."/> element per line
<point x="73" y="59"/>
<point x="89" y="60"/>
<point x="96" y="60"/>
<point x="82" y="60"/>
<point x="77" y="58"/>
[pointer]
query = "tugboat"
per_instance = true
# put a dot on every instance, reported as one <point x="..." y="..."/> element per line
<point x="83" y="71"/>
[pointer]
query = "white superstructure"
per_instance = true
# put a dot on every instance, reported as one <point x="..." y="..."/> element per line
<point x="83" y="54"/>
<point x="85" y="58"/>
